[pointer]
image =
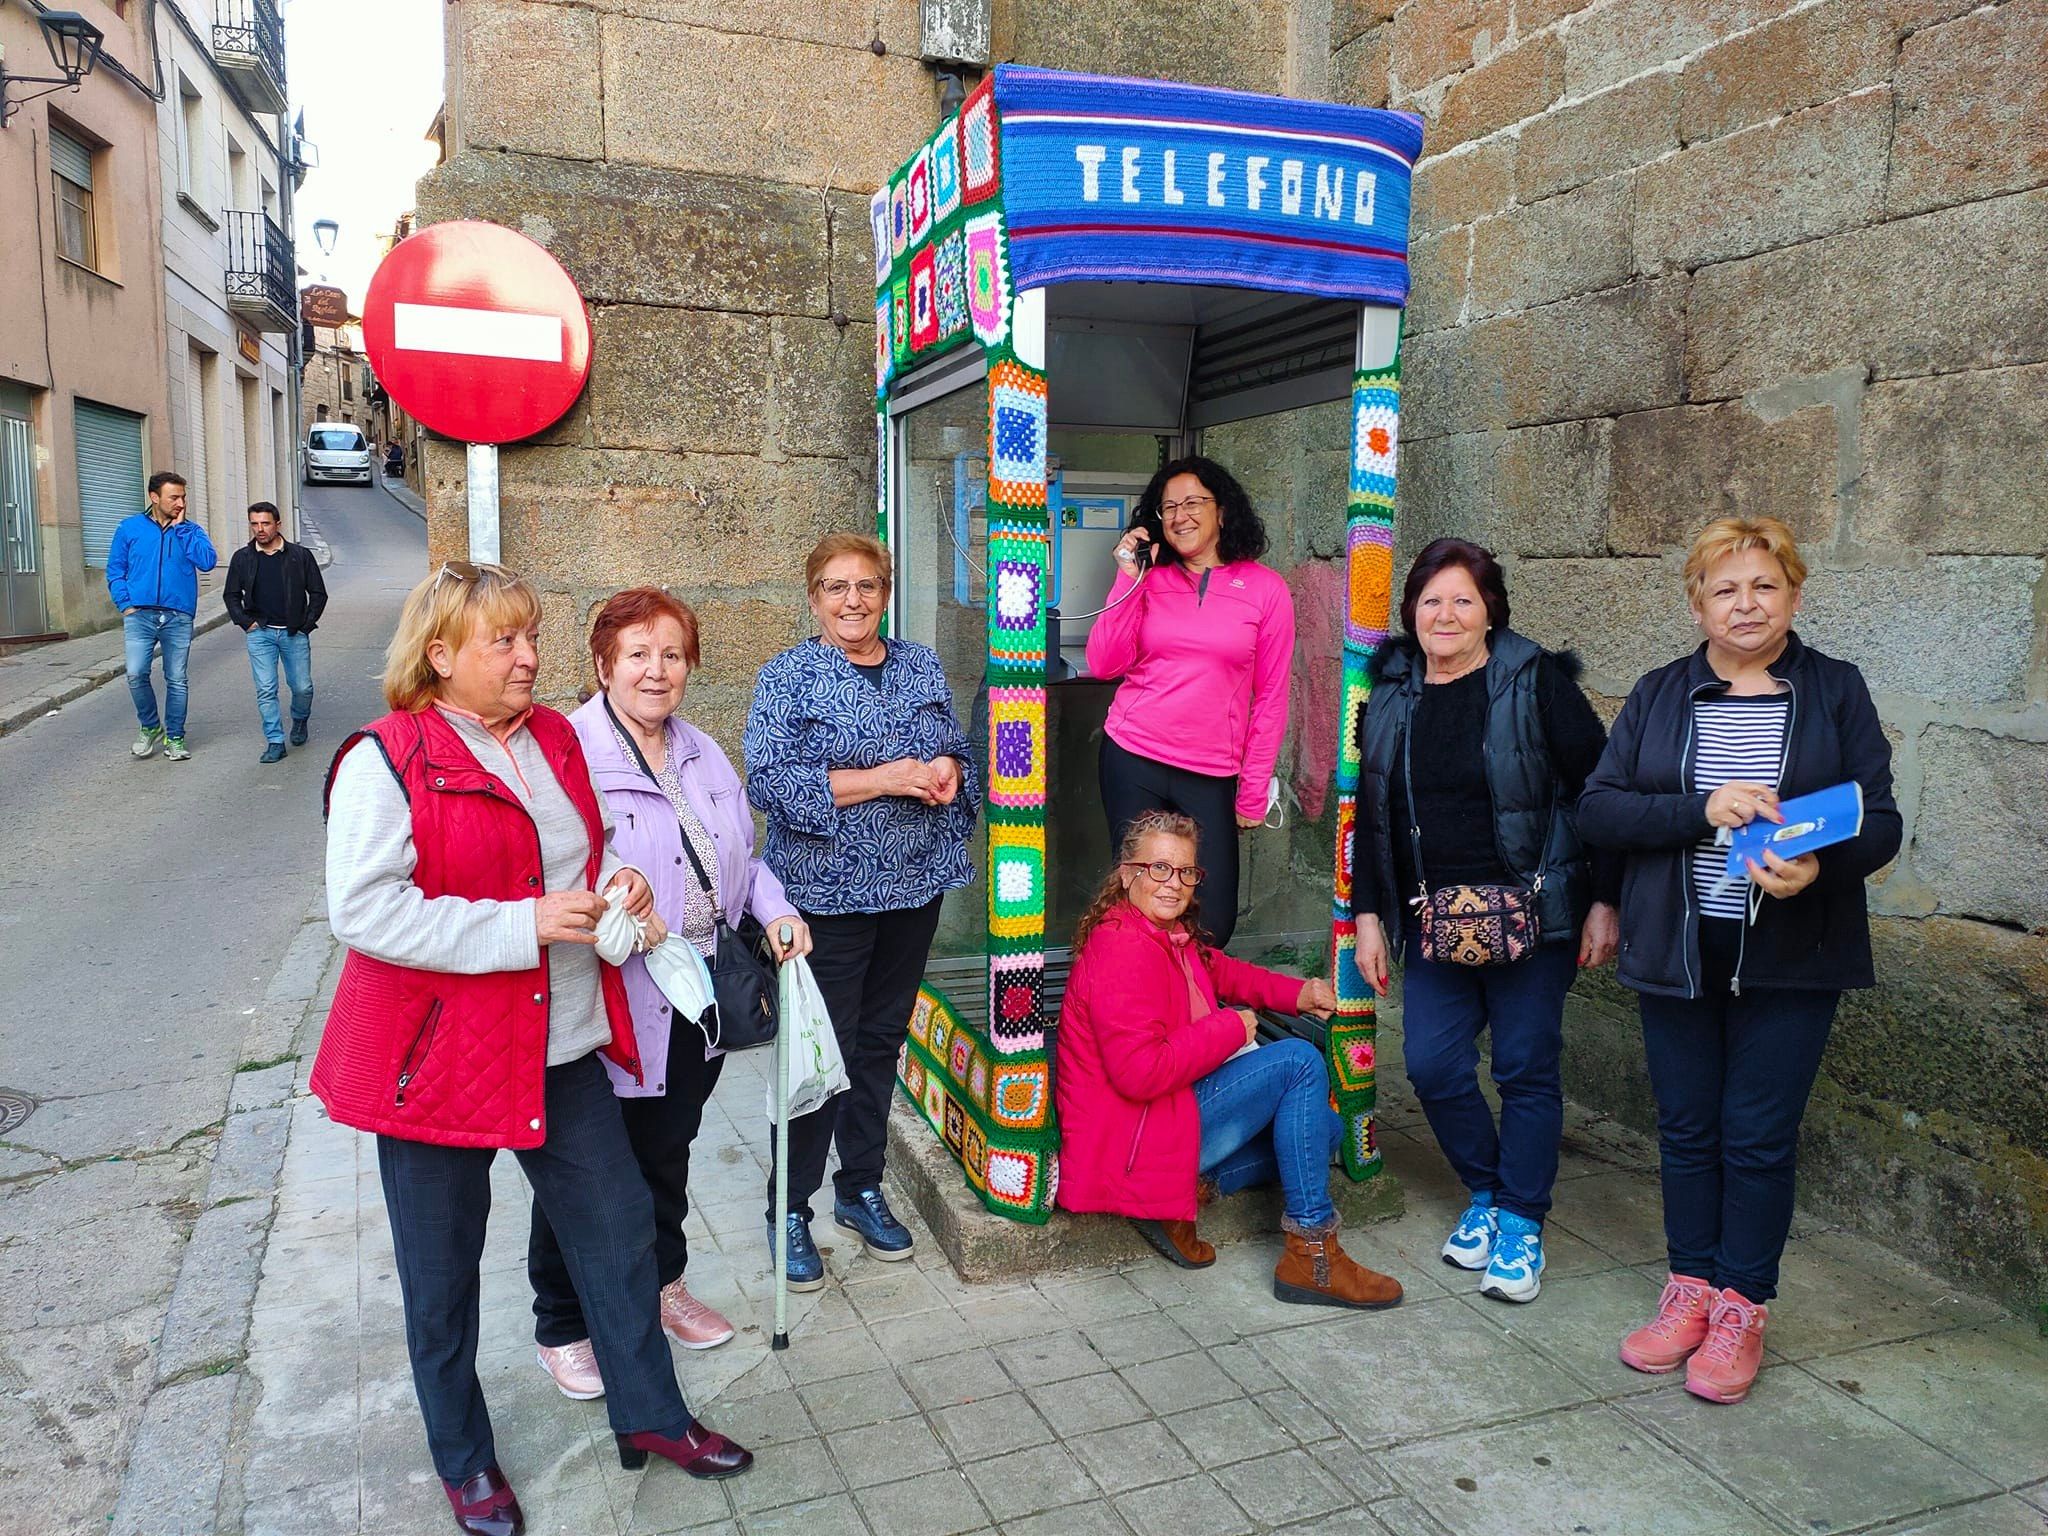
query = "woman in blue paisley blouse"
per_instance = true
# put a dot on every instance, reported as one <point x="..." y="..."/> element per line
<point x="870" y="791"/>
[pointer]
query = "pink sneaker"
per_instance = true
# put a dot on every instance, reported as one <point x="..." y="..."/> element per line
<point x="1726" y="1365"/>
<point x="1679" y="1328"/>
<point x="574" y="1368"/>
<point x="688" y="1321"/>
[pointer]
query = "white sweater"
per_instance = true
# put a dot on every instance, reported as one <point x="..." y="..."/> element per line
<point x="373" y="905"/>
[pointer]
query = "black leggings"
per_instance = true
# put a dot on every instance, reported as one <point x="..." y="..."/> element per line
<point x="1131" y="784"/>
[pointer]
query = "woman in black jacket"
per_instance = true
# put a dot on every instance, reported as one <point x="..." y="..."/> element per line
<point x="1499" y="740"/>
<point x="1738" y="982"/>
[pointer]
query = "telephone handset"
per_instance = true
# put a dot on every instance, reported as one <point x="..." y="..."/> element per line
<point x="1154" y="528"/>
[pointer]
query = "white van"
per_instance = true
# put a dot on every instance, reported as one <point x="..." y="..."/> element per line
<point x="337" y="451"/>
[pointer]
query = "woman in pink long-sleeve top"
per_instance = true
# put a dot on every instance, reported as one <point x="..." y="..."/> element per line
<point x="1202" y="634"/>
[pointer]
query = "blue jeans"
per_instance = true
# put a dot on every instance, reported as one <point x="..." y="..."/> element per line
<point x="1443" y="1010"/>
<point x="586" y="1179"/>
<point x="1266" y="1115"/>
<point x="144" y="630"/>
<point x="1731" y="1076"/>
<point x="268" y="647"/>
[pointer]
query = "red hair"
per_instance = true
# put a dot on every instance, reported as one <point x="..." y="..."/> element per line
<point x="635" y="606"/>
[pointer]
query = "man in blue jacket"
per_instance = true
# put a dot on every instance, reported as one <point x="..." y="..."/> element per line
<point x="153" y="575"/>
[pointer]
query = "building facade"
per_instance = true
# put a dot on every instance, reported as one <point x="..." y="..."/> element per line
<point x="1668" y="261"/>
<point x="84" y="413"/>
<point x="230" y="287"/>
<point x="336" y="384"/>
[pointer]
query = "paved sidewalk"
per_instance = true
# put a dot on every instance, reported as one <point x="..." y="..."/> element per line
<point x="1149" y="1400"/>
<point x="43" y="678"/>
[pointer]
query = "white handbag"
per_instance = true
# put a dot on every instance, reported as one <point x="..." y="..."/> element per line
<point x="812" y="1067"/>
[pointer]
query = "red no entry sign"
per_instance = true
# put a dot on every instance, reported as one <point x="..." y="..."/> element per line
<point x="477" y="332"/>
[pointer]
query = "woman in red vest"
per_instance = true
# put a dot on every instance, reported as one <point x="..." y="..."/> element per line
<point x="466" y="843"/>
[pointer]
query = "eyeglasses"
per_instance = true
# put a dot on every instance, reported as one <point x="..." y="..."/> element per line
<point x="835" y="590"/>
<point x="1191" y="875"/>
<point x="1189" y="504"/>
<point x="461" y="570"/>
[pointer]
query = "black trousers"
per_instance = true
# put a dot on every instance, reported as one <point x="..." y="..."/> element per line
<point x="1131" y="784"/>
<point x="868" y="965"/>
<point x="584" y="1175"/>
<point x="660" y="1130"/>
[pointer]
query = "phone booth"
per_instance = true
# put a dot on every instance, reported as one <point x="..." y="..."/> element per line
<point x="1078" y="279"/>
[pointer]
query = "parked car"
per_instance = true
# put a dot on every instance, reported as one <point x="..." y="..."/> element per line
<point x="337" y="451"/>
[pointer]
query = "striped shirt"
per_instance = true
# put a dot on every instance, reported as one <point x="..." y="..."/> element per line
<point x="1734" y="739"/>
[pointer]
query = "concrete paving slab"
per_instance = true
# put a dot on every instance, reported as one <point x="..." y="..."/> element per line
<point x="1388" y="1377"/>
<point x="251" y="1151"/>
<point x="1981" y="1394"/>
<point x="1992" y="1517"/>
<point x="986" y="1426"/>
<point x="884" y="1453"/>
<point x="1586" y="1470"/>
<point x="1283" y="1488"/>
<point x="1133" y="1456"/>
<point x="1084" y="1403"/>
<point x="1621" y="1214"/>
<point x="837" y="1515"/>
<point x="1839" y="1291"/>
<point x="1578" y="1323"/>
<point x="1222" y="1433"/>
<point x="1811" y="1454"/>
<point x="936" y="1504"/>
<point x="1028" y="1482"/>
<point x="1189" y="1506"/>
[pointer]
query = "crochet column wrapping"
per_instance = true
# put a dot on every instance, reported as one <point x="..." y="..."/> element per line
<point x="1369" y="560"/>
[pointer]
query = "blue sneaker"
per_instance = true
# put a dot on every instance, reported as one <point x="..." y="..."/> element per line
<point x="1515" y="1272"/>
<point x="801" y="1263"/>
<point x="867" y="1216"/>
<point x="1470" y="1244"/>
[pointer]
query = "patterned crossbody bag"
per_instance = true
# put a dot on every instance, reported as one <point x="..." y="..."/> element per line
<point x="1471" y="924"/>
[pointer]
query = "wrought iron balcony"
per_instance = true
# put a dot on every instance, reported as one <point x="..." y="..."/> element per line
<point x="259" y="276"/>
<point x="248" y="45"/>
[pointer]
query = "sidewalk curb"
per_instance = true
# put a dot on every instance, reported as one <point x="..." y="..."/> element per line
<point x="407" y="499"/>
<point x="190" y="1416"/>
<point x="79" y="684"/>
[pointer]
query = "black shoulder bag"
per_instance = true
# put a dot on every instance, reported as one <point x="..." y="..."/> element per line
<point x="742" y="965"/>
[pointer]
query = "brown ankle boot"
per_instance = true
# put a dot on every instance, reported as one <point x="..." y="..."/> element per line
<point x="1316" y="1272"/>
<point x="1176" y="1241"/>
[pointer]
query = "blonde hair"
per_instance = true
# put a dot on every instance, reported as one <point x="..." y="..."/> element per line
<point x="1111" y="892"/>
<point x="1726" y="536"/>
<point x="833" y="545"/>
<point x="450" y="607"/>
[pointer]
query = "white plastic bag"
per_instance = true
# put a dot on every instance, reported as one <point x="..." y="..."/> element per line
<point x="684" y="979"/>
<point x="812" y="1068"/>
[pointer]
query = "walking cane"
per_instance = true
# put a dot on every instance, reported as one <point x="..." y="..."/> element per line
<point x="781" y="1340"/>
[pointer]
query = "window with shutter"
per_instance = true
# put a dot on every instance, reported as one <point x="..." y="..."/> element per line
<point x="71" y="179"/>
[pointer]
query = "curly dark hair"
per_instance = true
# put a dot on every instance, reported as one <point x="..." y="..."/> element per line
<point x="1473" y="559"/>
<point x="1111" y="894"/>
<point x="1243" y="535"/>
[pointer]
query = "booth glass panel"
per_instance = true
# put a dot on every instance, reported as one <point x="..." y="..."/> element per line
<point x="941" y="553"/>
<point x="1294" y="464"/>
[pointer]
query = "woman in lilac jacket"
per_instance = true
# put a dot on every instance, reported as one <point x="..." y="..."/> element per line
<point x="663" y="780"/>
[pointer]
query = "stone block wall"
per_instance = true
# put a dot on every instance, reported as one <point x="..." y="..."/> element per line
<point x="1671" y="258"/>
<point x="1681" y="258"/>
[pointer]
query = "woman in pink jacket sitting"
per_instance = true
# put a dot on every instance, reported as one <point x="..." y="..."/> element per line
<point x="1161" y="1085"/>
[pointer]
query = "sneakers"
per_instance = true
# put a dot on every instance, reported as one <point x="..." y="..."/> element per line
<point x="273" y="752"/>
<point x="174" y="749"/>
<point x="1680" y="1327"/>
<point x="147" y="740"/>
<point x="1515" y="1271"/>
<point x="298" y="733"/>
<point x="1723" y="1368"/>
<point x="574" y="1368"/>
<point x="1470" y="1244"/>
<point x="867" y="1216"/>
<point x="806" y="1270"/>
<point x="688" y="1321"/>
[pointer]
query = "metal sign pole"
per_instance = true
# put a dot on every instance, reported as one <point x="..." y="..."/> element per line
<point x="482" y="484"/>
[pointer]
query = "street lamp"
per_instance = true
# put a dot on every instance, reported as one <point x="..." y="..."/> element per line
<point x="325" y="233"/>
<point x="74" y="45"/>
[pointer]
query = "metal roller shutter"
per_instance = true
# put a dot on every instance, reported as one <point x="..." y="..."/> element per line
<point x="110" y="483"/>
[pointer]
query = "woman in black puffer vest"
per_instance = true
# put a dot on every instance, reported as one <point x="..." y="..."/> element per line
<point x="1472" y="753"/>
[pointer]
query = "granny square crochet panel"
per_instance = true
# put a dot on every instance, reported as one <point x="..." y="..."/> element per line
<point x="967" y="220"/>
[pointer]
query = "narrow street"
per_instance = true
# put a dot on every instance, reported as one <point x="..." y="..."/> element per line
<point x="146" y="909"/>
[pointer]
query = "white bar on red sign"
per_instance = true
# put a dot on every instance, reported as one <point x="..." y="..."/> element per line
<point x="476" y="332"/>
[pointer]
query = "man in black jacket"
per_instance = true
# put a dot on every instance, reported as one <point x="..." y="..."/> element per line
<point x="275" y="595"/>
